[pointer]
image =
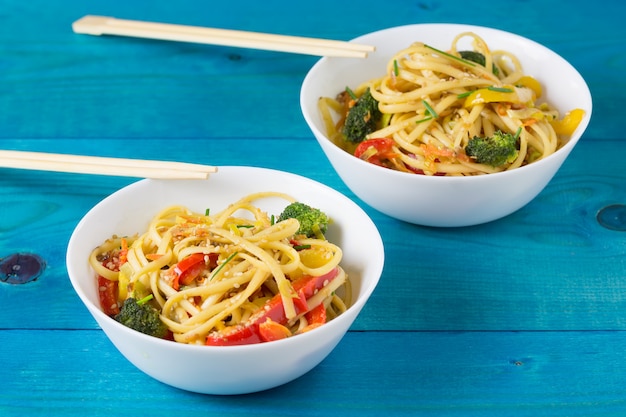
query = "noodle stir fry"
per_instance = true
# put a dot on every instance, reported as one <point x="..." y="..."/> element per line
<point x="455" y="112"/>
<point x="234" y="277"/>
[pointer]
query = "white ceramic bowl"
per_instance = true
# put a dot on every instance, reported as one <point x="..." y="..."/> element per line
<point x="231" y="369"/>
<point x="435" y="200"/>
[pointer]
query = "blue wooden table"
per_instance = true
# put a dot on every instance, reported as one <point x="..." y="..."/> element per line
<point x="525" y="316"/>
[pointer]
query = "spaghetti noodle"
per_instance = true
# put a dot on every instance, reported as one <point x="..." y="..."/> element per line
<point x="434" y="102"/>
<point x="215" y="277"/>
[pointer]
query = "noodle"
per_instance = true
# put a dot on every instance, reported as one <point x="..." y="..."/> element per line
<point x="434" y="102"/>
<point x="247" y="260"/>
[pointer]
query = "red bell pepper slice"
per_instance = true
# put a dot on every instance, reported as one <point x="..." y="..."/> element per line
<point x="249" y="333"/>
<point x="190" y="268"/>
<point x="316" y="315"/>
<point x="315" y="318"/>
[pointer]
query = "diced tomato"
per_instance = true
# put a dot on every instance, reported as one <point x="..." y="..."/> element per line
<point x="107" y="293"/>
<point x="270" y="330"/>
<point x="377" y="151"/>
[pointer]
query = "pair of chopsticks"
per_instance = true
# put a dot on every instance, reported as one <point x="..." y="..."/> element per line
<point x="102" y="25"/>
<point x="104" y="166"/>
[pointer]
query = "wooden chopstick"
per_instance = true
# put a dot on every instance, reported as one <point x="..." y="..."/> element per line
<point x="104" y="165"/>
<point x="103" y="25"/>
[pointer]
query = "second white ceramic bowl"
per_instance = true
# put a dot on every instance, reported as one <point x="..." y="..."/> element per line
<point x="436" y="200"/>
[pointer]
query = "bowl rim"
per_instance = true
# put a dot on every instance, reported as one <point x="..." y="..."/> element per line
<point x="461" y="27"/>
<point x="236" y="170"/>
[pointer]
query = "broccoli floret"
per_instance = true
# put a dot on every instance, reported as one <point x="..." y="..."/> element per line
<point x="313" y="222"/>
<point x="362" y="118"/>
<point x="478" y="58"/>
<point x="495" y="151"/>
<point x="141" y="316"/>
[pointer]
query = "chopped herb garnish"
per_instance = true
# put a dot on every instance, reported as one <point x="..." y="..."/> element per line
<point x="207" y="211"/>
<point x="464" y="95"/>
<point x="519" y="132"/>
<point x="423" y="120"/>
<point x="300" y="247"/>
<point x="245" y="226"/>
<point x="272" y="220"/>
<point x="149" y="297"/>
<point x="499" y="89"/>
<point x="219" y="268"/>
<point x="351" y="93"/>
<point x="396" y="70"/>
<point x="429" y="109"/>
<point x="465" y="61"/>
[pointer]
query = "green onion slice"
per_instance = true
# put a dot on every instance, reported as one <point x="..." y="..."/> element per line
<point x="219" y="268"/>
<point x="300" y="247"/>
<point x="456" y="58"/>
<point x="429" y="109"/>
<point x="499" y="89"/>
<point x="351" y="93"/>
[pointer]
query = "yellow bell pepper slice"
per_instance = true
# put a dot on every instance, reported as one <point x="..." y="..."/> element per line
<point x="569" y="123"/>
<point x="123" y="281"/>
<point x="491" y="95"/>
<point x="533" y="84"/>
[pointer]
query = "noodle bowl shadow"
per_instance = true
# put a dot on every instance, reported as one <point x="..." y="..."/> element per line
<point x="226" y="369"/>
<point x="444" y="201"/>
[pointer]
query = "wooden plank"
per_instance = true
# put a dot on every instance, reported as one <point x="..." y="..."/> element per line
<point x="125" y="87"/>
<point x="417" y="373"/>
